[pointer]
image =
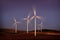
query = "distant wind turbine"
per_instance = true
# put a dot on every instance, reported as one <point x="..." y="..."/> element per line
<point x="28" y="20"/>
<point x="15" y="24"/>
<point x="35" y="16"/>
<point x="41" y="25"/>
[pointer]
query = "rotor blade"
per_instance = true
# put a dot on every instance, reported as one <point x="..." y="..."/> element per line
<point x="14" y="19"/>
<point x="31" y="18"/>
<point x="34" y="11"/>
<point x="25" y="19"/>
<point x="28" y="15"/>
<point x="39" y="17"/>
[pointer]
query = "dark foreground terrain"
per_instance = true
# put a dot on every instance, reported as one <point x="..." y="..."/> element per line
<point x="6" y="34"/>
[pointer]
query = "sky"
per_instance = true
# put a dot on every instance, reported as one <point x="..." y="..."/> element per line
<point x="49" y="9"/>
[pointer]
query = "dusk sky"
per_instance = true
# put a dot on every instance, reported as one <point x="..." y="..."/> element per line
<point x="49" y="9"/>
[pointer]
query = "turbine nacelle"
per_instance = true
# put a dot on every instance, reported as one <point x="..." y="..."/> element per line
<point x="27" y="17"/>
<point x="15" y="21"/>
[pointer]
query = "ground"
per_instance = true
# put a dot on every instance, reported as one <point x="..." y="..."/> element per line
<point x="22" y="35"/>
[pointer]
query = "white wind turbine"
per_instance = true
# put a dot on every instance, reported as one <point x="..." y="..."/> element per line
<point x="15" y="24"/>
<point x="35" y="16"/>
<point x="41" y="25"/>
<point x="28" y="20"/>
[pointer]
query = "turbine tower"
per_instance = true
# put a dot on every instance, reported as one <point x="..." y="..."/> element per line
<point x="28" y="20"/>
<point x="35" y="16"/>
<point x="15" y="24"/>
<point x="41" y="25"/>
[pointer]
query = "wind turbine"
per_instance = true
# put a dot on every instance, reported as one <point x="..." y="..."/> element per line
<point x="41" y="25"/>
<point x="28" y="20"/>
<point x="15" y="24"/>
<point x="35" y="16"/>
